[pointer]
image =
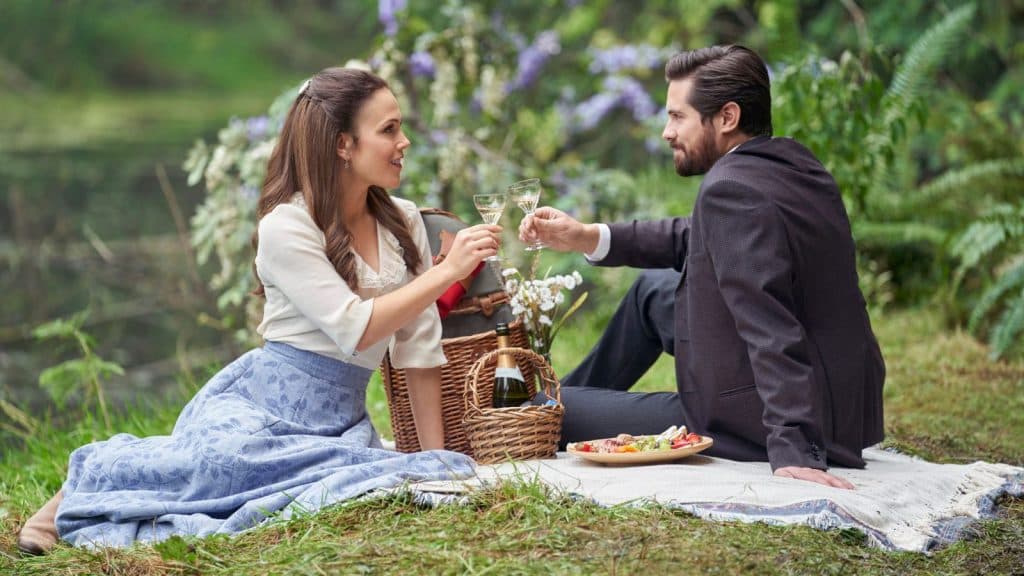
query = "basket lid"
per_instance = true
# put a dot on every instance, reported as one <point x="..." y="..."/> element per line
<point x="486" y="287"/>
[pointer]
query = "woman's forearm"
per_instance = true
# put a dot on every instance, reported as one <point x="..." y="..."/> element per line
<point x="425" y="398"/>
<point x="394" y="310"/>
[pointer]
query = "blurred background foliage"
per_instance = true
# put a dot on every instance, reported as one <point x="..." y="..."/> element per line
<point x="915" y="106"/>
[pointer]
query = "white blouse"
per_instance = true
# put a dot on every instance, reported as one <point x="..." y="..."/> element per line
<point x="310" y="307"/>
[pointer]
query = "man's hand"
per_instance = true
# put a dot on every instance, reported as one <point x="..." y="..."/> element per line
<point x="813" y="475"/>
<point x="559" y="231"/>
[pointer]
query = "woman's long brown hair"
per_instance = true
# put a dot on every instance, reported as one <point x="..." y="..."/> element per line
<point x="305" y="158"/>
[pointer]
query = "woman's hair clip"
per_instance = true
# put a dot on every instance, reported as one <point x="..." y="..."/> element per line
<point x="305" y="86"/>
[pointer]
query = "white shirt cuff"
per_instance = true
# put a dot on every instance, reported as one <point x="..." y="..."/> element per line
<point x="604" y="244"/>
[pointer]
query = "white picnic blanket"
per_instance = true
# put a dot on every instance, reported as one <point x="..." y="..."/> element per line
<point x="901" y="502"/>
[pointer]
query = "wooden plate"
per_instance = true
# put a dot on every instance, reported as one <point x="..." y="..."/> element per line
<point x="648" y="457"/>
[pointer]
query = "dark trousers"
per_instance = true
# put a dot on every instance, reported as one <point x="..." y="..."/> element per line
<point x="595" y="394"/>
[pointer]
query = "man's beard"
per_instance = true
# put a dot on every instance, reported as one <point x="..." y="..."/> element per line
<point x="700" y="160"/>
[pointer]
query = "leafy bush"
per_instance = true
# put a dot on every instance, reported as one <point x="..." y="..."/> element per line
<point x="858" y="126"/>
<point x="83" y="375"/>
<point x="996" y="243"/>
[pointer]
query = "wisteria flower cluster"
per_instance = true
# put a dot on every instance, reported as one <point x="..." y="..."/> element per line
<point x="617" y="59"/>
<point x="222" y="226"/>
<point x="233" y="171"/>
<point x="480" y="90"/>
<point x="539" y="303"/>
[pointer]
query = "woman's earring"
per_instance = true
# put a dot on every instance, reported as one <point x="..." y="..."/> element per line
<point x="346" y="164"/>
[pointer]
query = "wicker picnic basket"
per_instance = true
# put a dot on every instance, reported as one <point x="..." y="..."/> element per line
<point x="462" y="352"/>
<point x="523" y="433"/>
<point x="467" y="334"/>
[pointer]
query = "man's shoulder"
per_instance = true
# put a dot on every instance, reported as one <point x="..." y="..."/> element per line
<point x="748" y="163"/>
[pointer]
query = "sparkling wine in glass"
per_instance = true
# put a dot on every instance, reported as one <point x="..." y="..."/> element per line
<point x="526" y="194"/>
<point x="490" y="207"/>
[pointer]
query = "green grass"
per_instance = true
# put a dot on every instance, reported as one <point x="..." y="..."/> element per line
<point x="944" y="401"/>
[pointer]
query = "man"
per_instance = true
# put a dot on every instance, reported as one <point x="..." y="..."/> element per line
<point x="774" y="352"/>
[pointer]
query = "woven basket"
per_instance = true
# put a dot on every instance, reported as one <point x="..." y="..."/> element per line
<point x="523" y="433"/>
<point x="462" y="352"/>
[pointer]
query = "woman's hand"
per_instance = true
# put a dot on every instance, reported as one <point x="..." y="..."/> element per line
<point x="472" y="245"/>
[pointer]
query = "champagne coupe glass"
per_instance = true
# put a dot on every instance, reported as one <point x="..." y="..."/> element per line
<point x="490" y="207"/>
<point x="526" y="194"/>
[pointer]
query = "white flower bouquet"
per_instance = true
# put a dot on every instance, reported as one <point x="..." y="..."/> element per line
<point x="538" y="303"/>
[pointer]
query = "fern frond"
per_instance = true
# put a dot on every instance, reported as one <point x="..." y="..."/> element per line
<point x="892" y="233"/>
<point x="979" y="240"/>
<point x="923" y="57"/>
<point x="1010" y="324"/>
<point x="1011" y="278"/>
<point x="967" y="180"/>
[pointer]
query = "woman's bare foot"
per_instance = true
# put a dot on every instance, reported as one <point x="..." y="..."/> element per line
<point x="39" y="534"/>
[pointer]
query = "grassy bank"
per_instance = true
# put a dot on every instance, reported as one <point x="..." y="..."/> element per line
<point x="944" y="400"/>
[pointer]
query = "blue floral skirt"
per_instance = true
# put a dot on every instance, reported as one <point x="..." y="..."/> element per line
<point x="278" y="429"/>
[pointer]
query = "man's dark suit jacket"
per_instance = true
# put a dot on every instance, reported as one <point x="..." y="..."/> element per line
<point x="775" y="354"/>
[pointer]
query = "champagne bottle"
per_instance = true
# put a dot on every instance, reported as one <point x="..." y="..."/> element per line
<point x="510" y="389"/>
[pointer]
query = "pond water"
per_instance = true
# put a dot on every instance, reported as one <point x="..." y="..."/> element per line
<point x="90" y="224"/>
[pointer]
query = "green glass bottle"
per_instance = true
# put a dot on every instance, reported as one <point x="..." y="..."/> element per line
<point x="510" y="389"/>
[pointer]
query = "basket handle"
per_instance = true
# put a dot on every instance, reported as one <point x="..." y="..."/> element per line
<point x="548" y="378"/>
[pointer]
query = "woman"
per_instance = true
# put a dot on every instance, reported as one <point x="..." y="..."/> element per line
<point x="346" y="273"/>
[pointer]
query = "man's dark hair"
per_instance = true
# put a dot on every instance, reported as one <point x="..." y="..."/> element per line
<point x="724" y="74"/>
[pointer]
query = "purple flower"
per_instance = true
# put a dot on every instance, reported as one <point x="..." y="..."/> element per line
<point x="619" y="58"/>
<point x="438" y="137"/>
<point x="558" y="180"/>
<point x="633" y="96"/>
<point x="498" y="20"/>
<point x="256" y="128"/>
<point x="386" y="10"/>
<point x="654" y="144"/>
<point x="517" y="39"/>
<point x="421" y="64"/>
<point x="248" y="192"/>
<point x="591" y="111"/>
<point x="533" y="58"/>
<point x="615" y="91"/>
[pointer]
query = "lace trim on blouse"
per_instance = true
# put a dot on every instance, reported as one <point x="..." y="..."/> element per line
<point x="392" y="263"/>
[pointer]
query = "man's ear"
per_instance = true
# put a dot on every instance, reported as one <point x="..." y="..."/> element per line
<point x="729" y="118"/>
<point x="344" y="149"/>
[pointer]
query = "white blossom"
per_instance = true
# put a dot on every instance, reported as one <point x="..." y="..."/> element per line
<point x="358" y="65"/>
<point x="442" y="90"/>
<point x="492" y="90"/>
<point x="217" y="168"/>
<point x="252" y="166"/>
<point x="536" y="301"/>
